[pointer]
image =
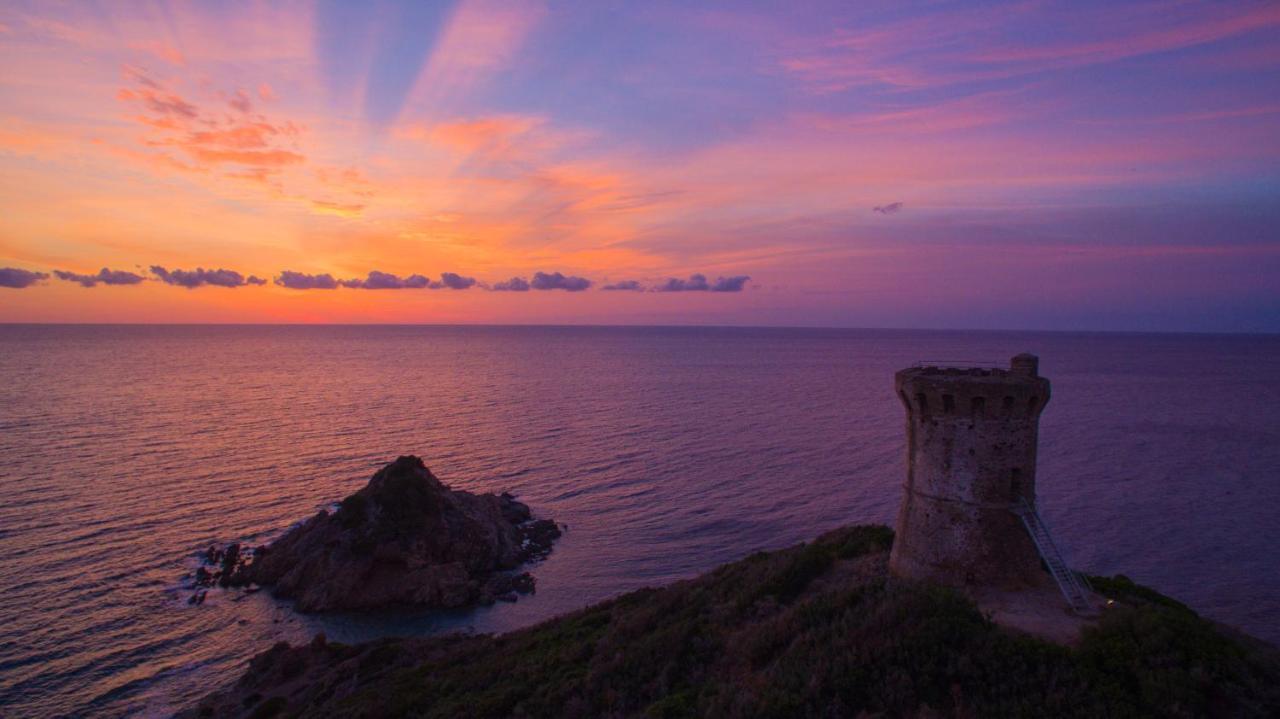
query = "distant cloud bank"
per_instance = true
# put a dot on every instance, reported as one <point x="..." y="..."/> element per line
<point x="543" y="281"/>
<point x="453" y="282"/>
<point x="695" y="283"/>
<point x="515" y="284"/>
<point x="625" y="286"/>
<point x="385" y="281"/>
<point x="301" y="281"/>
<point x="104" y="276"/>
<point x="18" y="279"/>
<point x="374" y="280"/>
<point x="198" y="277"/>
<point x="730" y="284"/>
<point x="558" y="281"/>
<point x="699" y="283"/>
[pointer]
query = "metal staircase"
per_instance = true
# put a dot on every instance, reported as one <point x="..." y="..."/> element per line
<point x="1075" y="588"/>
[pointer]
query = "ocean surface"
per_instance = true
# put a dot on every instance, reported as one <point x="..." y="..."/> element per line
<point x="667" y="451"/>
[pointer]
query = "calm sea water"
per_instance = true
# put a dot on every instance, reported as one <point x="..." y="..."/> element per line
<point x="667" y="452"/>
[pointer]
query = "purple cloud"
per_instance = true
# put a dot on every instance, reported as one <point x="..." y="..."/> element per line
<point x="515" y="284"/>
<point x="453" y="281"/>
<point x="699" y="283"/>
<point x="192" y="279"/>
<point x="17" y="279"/>
<point x="557" y="281"/>
<point x="240" y="101"/>
<point x="386" y="281"/>
<point x="301" y="281"/>
<point x="889" y="209"/>
<point x="730" y="284"/>
<point x="695" y="283"/>
<point x="625" y="285"/>
<point x="105" y="276"/>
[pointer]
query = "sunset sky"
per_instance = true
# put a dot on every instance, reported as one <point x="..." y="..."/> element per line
<point x="1075" y="165"/>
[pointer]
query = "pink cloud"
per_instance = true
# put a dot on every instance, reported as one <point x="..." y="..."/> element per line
<point x="210" y="139"/>
<point x="240" y="102"/>
<point x="479" y="39"/>
<point x="1216" y="23"/>
<point x="162" y="50"/>
<point x="956" y="46"/>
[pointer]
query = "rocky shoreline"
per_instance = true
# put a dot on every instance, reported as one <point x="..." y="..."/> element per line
<point x="404" y="539"/>
<point x="818" y="630"/>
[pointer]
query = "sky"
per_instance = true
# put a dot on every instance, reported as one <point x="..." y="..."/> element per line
<point x="1022" y="165"/>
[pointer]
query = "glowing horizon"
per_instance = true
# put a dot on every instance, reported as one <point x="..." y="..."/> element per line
<point x="1024" y="165"/>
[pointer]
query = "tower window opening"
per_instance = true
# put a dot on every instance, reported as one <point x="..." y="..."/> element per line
<point x="977" y="406"/>
<point x="948" y="403"/>
<point x="1008" y="405"/>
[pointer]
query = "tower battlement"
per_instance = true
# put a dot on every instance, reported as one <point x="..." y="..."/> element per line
<point x="932" y="393"/>
<point x="971" y="457"/>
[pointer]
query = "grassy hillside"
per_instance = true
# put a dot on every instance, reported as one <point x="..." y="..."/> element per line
<point x="816" y="630"/>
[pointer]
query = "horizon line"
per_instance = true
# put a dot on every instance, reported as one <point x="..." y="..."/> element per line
<point x="496" y="325"/>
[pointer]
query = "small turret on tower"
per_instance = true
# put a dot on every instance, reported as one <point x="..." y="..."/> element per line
<point x="971" y="463"/>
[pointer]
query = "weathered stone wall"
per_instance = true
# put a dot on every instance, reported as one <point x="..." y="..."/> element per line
<point x="971" y="455"/>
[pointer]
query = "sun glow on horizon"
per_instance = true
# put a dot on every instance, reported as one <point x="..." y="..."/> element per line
<point x="1098" y="165"/>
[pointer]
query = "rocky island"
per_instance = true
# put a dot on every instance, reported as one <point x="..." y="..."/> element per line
<point x="404" y="539"/>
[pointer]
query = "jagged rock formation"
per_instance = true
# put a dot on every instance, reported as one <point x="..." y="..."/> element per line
<point x="406" y="538"/>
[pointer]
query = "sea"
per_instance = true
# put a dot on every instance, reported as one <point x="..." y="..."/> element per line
<point x="127" y="450"/>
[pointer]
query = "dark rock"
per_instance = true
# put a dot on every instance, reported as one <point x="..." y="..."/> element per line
<point x="203" y="577"/>
<point x="514" y="512"/>
<point x="537" y="536"/>
<point x="405" y="538"/>
<point x="523" y="583"/>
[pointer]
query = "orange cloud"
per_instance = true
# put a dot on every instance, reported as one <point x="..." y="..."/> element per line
<point x="256" y="158"/>
<point x="244" y="136"/>
<point x="340" y="209"/>
<point x="254" y="145"/>
<point x="483" y="133"/>
<point x="162" y="50"/>
<point x="23" y="137"/>
<point x="158" y="101"/>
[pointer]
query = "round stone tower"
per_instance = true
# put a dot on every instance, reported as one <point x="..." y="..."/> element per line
<point x="971" y="458"/>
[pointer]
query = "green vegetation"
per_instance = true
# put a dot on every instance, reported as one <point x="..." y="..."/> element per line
<point x="816" y="630"/>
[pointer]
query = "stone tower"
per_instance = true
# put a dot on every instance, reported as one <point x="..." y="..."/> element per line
<point x="971" y="458"/>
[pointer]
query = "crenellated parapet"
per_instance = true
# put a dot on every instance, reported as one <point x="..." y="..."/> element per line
<point x="933" y="394"/>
